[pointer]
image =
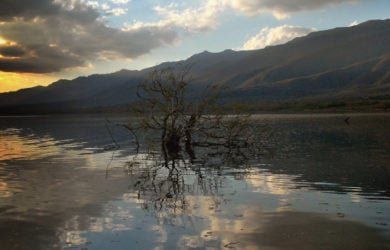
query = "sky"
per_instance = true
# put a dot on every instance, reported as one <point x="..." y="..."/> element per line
<point x="42" y="41"/>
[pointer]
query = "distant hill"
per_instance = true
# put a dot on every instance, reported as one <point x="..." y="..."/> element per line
<point x="334" y="65"/>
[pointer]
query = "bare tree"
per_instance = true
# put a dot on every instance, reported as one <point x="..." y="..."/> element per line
<point x="166" y="110"/>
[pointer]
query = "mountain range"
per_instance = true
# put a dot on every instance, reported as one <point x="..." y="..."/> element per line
<point x="331" y="66"/>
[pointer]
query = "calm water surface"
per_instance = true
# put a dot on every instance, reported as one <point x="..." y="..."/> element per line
<point x="318" y="183"/>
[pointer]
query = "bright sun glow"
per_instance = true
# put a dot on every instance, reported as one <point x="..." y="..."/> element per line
<point x="6" y="42"/>
<point x="10" y="81"/>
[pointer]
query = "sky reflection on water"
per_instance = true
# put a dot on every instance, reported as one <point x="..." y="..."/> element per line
<point x="320" y="183"/>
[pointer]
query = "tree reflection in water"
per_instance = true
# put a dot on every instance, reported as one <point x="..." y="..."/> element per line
<point x="162" y="184"/>
<point x="327" y="185"/>
<point x="178" y="192"/>
<point x="185" y="130"/>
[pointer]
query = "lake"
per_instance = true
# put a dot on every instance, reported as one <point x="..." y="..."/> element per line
<point x="75" y="182"/>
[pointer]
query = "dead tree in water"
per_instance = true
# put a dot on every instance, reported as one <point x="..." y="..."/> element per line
<point x="165" y="107"/>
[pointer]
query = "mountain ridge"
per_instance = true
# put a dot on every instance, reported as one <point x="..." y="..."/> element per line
<point x="340" y="63"/>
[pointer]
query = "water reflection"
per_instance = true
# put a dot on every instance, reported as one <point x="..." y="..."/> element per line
<point x="319" y="183"/>
<point x="295" y="230"/>
<point x="13" y="146"/>
<point x="75" y="132"/>
<point x="45" y="201"/>
<point x="332" y="156"/>
<point x="184" y="209"/>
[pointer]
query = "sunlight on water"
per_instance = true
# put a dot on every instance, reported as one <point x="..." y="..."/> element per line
<point x="13" y="146"/>
<point x="318" y="182"/>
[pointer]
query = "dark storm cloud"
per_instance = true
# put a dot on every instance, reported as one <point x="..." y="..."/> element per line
<point x="30" y="8"/>
<point x="12" y="51"/>
<point x="49" y="60"/>
<point x="56" y="35"/>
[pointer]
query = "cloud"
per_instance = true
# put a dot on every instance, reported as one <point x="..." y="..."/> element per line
<point x="206" y="16"/>
<point x="117" y="11"/>
<point x="273" y="36"/>
<point x="191" y="20"/>
<point x="120" y="1"/>
<point x="44" y="36"/>
<point x="93" y="4"/>
<point x="354" y="23"/>
<point x="26" y="9"/>
<point x="105" y="6"/>
<point x="281" y="8"/>
<point x="52" y="35"/>
<point x="11" y="51"/>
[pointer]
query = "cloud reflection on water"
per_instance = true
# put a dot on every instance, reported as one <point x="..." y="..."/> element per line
<point x="65" y="198"/>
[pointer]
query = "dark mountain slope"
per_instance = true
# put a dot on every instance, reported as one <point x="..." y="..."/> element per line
<point x="363" y="79"/>
<point x="316" y="53"/>
<point x="344" y="63"/>
<point x="80" y="88"/>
